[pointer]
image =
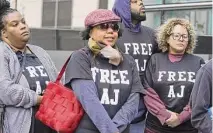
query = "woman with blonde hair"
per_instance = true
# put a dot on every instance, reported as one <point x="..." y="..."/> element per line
<point x="170" y="76"/>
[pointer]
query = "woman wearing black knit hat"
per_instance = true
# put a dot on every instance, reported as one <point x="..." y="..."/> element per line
<point x="105" y="80"/>
<point x="24" y="72"/>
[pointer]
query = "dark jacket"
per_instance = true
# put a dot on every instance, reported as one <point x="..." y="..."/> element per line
<point x="201" y="99"/>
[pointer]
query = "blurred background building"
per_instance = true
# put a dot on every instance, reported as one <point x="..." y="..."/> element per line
<point x="55" y="24"/>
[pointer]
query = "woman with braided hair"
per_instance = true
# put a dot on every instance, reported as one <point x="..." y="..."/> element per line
<point x="24" y="72"/>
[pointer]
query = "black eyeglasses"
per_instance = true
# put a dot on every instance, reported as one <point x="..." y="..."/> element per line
<point x="177" y="36"/>
<point x="114" y="26"/>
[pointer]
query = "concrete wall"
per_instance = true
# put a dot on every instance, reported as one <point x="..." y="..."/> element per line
<point x="32" y="11"/>
<point x="12" y="3"/>
<point x="80" y="9"/>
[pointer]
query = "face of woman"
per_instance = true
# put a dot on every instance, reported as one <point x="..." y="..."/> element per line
<point x="178" y="40"/>
<point x="106" y="33"/>
<point x="16" y="31"/>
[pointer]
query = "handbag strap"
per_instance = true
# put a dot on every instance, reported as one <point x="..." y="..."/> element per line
<point x="65" y="66"/>
<point x="62" y="70"/>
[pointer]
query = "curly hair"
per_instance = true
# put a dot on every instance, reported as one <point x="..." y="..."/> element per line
<point x="165" y="30"/>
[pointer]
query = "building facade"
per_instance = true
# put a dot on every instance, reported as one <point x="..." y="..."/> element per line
<point x="70" y="14"/>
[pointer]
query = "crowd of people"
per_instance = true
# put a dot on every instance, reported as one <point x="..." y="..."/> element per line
<point x="129" y="78"/>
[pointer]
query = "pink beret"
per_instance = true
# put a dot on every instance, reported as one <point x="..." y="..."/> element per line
<point x="100" y="16"/>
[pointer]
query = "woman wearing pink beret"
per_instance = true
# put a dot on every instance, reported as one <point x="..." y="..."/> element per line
<point x="105" y="80"/>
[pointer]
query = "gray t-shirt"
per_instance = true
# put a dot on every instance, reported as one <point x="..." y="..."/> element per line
<point x="140" y="46"/>
<point x="114" y="83"/>
<point x="37" y="78"/>
<point x="173" y="82"/>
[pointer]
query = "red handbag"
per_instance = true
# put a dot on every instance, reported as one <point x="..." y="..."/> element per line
<point x="60" y="108"/>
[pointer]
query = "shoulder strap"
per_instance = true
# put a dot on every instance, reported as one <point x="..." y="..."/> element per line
<point x="82" y="50"/>
<point x="62" y="70"/>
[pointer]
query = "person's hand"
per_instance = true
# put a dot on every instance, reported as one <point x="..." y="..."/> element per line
<point x="39" y="100"/>
<point x="173" y="121"/>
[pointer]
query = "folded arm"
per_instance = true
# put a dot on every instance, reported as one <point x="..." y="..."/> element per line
<point x="86" y="92"/>
<point x="155" y="106"/>
<point x="128" y="112"/>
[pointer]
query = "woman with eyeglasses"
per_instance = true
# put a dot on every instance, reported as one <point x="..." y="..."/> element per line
<point x="105" y="80"/>
<point x="170" y="77"/>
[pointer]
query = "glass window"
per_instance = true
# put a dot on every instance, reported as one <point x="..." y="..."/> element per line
<point x="48" y="14"/>
<point x="153" y="19"/>
<point x="152" y="2"/>
<point x="63" y="13"/>
<point x="201" y="19"/>
<point x="184" y="1"/>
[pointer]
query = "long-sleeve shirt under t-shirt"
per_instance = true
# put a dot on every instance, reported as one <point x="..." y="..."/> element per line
<point x="88" y="96"/>
<point x="173" y="82"/>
